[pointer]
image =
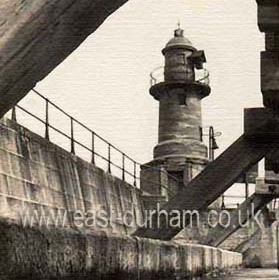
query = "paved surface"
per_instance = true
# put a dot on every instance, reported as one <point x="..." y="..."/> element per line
<point x="253" y="274"/>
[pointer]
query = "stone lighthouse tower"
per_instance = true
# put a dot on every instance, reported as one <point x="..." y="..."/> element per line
<point x="180" y="153"/>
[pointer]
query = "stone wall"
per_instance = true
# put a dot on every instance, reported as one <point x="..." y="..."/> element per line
<point x="38" y="176"/>
<point x="43" y="253"/>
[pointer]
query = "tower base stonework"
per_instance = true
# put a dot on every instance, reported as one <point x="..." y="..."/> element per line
<point x="167" y="177"/>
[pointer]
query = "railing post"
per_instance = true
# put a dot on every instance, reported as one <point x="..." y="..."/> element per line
<point x="123" y="167"/>
<point x="109" y="158"/>
<point x="135" y="174"/>
<point x="93" y="148"/>
<point x="14" y="114"/>
<point x="47" y="120"/>
<point x="72" y="137"/>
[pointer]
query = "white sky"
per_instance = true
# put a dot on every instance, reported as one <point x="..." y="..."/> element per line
<point x="105" y="82"/>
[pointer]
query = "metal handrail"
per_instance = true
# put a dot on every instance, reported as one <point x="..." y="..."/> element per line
<point x="157" y="76"/>
<point x="154" y="77"/>
<point x="205" y="78"/>
<point x="123" y="166"/>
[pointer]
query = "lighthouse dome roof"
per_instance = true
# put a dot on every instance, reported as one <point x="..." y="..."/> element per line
<point x="179" y="41"/>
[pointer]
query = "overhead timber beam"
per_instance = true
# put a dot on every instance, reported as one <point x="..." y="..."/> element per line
<point x="210" y="184"/>
<point x="260" y="138"/>
<point x="35" y="36"/>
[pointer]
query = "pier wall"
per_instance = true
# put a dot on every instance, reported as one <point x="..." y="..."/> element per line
<point x="45" y="253"/>
<point x="37" y="176"/>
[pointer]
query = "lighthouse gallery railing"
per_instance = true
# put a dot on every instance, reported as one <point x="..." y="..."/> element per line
<point x="157" y="76"/>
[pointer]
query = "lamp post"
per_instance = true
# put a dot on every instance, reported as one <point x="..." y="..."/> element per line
<point x="212" y="140"/>
<point x="212" y="143"/>
<point x="211" y="148"/>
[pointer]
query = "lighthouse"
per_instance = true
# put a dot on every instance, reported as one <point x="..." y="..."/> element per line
<point x="180" y="153"/>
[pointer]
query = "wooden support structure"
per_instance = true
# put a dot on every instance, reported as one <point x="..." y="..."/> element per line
<point x="35" y="36"/>
<point x="238" y="218"/>
<point x="261" y="138"/>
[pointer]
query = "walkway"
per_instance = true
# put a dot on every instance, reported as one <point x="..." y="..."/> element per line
<point x="253" y="274"/>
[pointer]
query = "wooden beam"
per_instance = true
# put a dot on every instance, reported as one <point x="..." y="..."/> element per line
<point x="211" y="183"/>
<point x="35" y="36"/>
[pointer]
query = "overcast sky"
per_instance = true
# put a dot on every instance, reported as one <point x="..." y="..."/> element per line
<point x="105" y="82"/>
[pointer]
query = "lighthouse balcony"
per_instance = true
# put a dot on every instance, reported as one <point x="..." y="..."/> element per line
<point x="201" y="76"/>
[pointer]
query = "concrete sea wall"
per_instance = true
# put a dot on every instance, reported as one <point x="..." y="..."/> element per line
<point x="45" y="253"/>
<point x="36" y="175"/>
<point x="39" y="176"/>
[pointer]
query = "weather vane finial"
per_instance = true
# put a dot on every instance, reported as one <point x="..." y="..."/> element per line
<point x="178" y="32"/>
<point x="178" y="24"/>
